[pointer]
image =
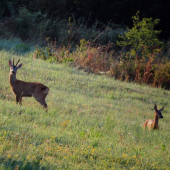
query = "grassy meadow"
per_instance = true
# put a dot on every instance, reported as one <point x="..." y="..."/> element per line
<point x="93" y="122"/>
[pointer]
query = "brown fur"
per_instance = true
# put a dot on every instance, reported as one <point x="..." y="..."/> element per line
<point x="153" y="123"/>
<point x="27" y="89"/>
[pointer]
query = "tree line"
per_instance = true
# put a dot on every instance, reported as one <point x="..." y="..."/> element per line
<point x="119" y="12"/>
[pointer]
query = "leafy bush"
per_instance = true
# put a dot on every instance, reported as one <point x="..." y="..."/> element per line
<point x="97" y="59"/>
<point x="53" y="53"/>
<point x="162" y="76"/>
<point x="142" y="38"/>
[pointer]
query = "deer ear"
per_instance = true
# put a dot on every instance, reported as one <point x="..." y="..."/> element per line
<point x="19" y="66"/>
<point x="155" y="107"/>
<point x="162" y="109"/>
<point x="10" y="63"/>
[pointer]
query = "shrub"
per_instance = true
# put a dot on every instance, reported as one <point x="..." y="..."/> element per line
<point x="142" y="38"/>
<point x="162" y="76"/>
<point x="52" y="53"/>
<point x="98" y="59"/>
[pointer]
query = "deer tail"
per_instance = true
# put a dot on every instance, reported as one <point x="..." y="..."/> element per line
<point x="45" y="90"/>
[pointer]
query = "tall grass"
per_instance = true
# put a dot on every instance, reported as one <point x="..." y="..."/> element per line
<point x="93" y="122"/>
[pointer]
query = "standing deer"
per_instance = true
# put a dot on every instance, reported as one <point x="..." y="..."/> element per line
<point x="153" y="123"/>
<point x="26" y="89"/>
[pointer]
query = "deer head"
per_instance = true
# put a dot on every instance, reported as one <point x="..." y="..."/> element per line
<point x="13" y="67"/>
<point x="158" y="112"/>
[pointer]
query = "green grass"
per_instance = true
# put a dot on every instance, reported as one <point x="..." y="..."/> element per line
<point x="93" y="122"/>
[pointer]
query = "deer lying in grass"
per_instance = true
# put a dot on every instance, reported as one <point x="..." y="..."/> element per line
<point x="26" y="89"/>
<point x="153" y="123"/>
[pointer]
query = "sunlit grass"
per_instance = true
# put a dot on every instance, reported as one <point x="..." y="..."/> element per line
<point x="93" y="122"/>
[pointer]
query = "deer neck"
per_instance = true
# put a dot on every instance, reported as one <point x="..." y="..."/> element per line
<point x="155" y="123"/>
<point x="12" y="79"/>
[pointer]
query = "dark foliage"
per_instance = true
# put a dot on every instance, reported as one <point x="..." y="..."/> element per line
<point x="89" y="11"/>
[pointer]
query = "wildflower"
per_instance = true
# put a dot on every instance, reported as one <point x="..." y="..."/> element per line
<point x="124" y="155"/>
<point x="9" y="156"/>
<point x="16" y="155"/>
<point x="134" y="156"/>
<point x="28" y="156"/>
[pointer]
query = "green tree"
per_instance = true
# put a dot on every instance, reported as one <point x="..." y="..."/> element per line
<point x="142" y="38"/>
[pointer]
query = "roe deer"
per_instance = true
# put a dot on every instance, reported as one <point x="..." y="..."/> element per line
<point x="26" y="89"/>
<point x="153" y="123"/>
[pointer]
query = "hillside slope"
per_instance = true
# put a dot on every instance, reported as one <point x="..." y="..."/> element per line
<point x="93" y="122"/>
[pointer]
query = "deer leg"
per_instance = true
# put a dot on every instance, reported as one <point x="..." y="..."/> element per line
<point x="46" y="109"/>
<point x="40" y="97"/>
<point x="40" y="100"/>
<point x="18" y="99"/>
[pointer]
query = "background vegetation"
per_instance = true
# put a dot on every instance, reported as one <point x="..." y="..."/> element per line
<point x="139" y="53"/>
<point x="119" y="12"/>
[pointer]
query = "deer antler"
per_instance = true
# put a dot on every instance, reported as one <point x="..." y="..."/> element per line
<point x="17" y="62"/>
